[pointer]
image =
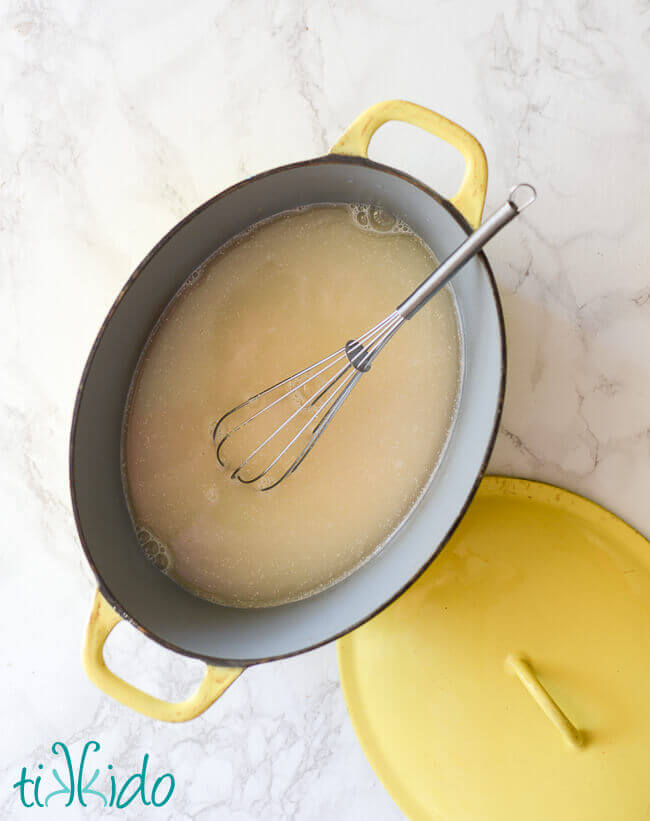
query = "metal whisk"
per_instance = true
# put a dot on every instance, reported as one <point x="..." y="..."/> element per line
<point x="316" y="393"/>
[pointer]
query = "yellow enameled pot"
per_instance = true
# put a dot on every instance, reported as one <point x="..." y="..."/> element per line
<point x="130" y="587"/>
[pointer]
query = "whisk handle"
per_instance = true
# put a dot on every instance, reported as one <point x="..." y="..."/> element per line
<point x="513" y="206"/>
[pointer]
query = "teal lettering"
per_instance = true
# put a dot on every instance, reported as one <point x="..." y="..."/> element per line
<point x="21" y="783"/>
<point x="157" y="783"/>
<point x="84" y="789"/>
<point x="112" y="801"/>
<point x="140" y="789"/>
<point x="87" y="791"/>
<point x="67" y="789"/>
<point x="79" y="784"/>
<point x="37" y="785"/>
<point x="64" y="791"/>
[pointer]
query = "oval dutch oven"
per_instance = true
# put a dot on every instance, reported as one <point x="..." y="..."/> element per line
<point x="129" y="586"/>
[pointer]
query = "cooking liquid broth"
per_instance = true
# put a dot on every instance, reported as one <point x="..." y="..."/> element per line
<point x="277" y="298"/>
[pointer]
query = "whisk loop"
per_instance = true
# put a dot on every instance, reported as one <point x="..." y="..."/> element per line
<point x="320" y="389"/>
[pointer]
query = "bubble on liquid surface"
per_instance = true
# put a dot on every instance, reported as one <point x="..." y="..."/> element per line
<point x="376" y="220"/>
<point x="154" y="549"/>
<point x="151" y="548"/>
<point x="161" y="561"/>
<point x="381" y="220"/>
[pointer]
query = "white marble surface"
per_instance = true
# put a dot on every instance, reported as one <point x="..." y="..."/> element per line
<point x="117" y="119"/>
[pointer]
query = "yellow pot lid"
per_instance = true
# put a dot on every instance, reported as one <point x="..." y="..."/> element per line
<point x="511" y="681"/>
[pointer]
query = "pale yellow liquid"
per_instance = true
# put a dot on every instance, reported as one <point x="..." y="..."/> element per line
<point x="278" y="298"/>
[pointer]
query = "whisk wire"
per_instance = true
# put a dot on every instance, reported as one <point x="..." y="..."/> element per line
<point x="365" y="357"/>
<point x="308" y="402"/>
<point x="357" y="356"/>
<point x="340" y="354"/>
<point x="297" y="436"/>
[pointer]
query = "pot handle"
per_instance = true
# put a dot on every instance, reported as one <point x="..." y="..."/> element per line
<point x="102" y="620"/>
<point x="470" y="197"/>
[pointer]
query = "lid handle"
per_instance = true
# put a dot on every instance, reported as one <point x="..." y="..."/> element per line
<point x="524" y="672"/>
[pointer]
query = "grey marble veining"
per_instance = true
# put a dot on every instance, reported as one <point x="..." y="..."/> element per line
<point x="117" y="119"/>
